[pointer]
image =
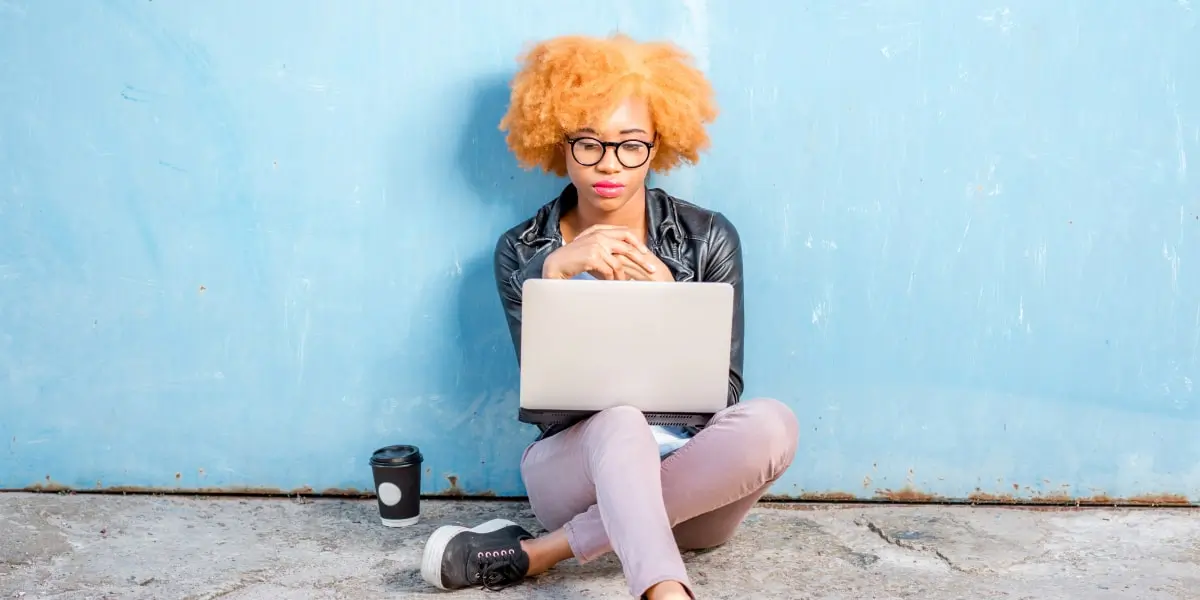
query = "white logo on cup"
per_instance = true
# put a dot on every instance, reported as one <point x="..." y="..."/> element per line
<point x="389" y="494"/>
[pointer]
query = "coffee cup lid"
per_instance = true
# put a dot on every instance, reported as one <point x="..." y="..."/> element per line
<point x="396" y="456"/>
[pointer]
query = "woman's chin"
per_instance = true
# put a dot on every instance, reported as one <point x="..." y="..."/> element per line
<point x="604" y="205"/>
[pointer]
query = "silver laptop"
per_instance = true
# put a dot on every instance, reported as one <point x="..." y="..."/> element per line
<point x="661" y="347"/>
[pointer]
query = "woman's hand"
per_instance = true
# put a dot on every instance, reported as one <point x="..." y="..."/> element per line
<point x="634" y="271"/>
<point x="604" y="251"/>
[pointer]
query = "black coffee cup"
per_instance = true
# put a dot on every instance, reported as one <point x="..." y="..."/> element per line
<point x="397" y="471"/>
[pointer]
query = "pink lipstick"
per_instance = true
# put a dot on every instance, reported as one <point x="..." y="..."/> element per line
<point x="608" y="189"/>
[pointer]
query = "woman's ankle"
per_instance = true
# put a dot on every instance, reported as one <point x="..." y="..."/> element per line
<point x="667" y="590"/>
<point x="546" y="551"/>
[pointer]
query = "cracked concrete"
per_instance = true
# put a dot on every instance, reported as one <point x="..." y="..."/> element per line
<point x="136" y="547"/>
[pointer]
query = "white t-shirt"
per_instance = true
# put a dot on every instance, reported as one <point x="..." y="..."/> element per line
<point x="669" y="439"/>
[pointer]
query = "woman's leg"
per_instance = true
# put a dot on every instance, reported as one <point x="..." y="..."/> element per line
<point x="754" y="443"/>
<point x="608" y="465"/>
<point x="708" y="486"/>
<point x="714" y="528"/>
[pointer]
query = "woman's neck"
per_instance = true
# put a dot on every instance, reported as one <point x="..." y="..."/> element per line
<point x="632" y="215"/>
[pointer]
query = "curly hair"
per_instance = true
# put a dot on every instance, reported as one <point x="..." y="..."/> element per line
<point x="570" y="82"/>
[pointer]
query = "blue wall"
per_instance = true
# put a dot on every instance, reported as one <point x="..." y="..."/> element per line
<point x="241" y="245"/>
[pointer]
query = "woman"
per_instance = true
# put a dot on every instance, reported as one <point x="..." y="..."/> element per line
<point x="605" y="112"/>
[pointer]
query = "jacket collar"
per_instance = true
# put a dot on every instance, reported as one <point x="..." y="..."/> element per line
<point x="662" y="220"/>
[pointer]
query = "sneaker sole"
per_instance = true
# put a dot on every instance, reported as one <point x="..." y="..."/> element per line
<point x="435" y="547"/>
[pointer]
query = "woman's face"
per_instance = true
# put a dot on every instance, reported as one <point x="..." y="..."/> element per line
<point x="608" y="176"/>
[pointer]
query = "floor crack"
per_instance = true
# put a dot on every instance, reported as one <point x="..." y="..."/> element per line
<point x="873" y="527"/>
<point x="249" y="579"/>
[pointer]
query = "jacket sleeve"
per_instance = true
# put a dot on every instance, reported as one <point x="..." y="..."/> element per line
<point x="723" y="262"/>
<point x="510" y="275"/>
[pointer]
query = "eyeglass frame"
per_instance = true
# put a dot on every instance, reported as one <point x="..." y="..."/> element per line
<point x="616" y="146"/>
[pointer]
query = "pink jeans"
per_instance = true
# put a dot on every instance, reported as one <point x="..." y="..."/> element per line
<point x="603" y="481"/>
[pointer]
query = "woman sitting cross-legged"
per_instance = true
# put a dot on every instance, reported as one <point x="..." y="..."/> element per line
<point x="605" y="112"/>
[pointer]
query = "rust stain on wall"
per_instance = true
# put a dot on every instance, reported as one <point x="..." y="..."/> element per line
<point x="1160" y="500"/>
<point x="908" y="495"/>
<point x="347" y="492"/>
<point x="456" y="491"/>
<point x="812" y="497"/>
<point x="1057" y="498"/>
<point x="986" y="498"/>
<point x="826" y="497"/>
<point x="1063" y="499"/>
<point x="49" y="485"/>
<point x="453" y="490"/>
<point x="1031" y="499"/>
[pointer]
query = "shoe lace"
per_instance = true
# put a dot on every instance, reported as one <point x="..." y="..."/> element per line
<point x="497" y="569"/>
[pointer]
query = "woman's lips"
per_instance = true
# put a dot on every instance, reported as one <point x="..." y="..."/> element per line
<point x="608" y="189"/>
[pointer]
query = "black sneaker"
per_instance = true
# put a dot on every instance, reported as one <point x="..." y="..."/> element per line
<point x="487" y="555"/>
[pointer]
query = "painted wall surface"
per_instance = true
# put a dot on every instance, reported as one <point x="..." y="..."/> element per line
<point x="244" y="244"/>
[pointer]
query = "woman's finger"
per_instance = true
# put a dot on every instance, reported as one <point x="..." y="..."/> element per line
<point x="633" y="269"/>
<point x="602" y="260"/>
<point x="613" y="265"/>
<point x="627" y="236"/>
<point x="644" y="260"/>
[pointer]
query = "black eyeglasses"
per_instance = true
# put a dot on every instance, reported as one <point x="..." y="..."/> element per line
<point x="589" y="151"/>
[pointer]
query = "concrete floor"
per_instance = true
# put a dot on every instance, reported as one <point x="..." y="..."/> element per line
<point x="132" y="547"/>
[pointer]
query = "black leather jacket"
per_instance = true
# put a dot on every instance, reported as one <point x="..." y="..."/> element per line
<point x="695" y="243"/>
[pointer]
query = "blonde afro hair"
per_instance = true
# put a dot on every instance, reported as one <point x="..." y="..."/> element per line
<point x="571" y="82"/>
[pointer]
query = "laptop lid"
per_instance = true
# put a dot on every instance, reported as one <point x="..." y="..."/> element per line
<point x="588" y="345"/>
